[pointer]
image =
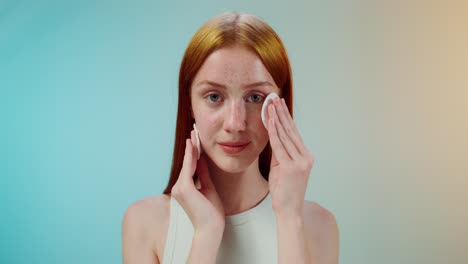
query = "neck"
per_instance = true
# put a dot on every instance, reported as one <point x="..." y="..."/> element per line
<point x="239" y="191"/>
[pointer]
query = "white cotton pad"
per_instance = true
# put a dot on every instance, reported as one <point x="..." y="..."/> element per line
<point x="198" y="141"/>
<point x="267" y="101"/>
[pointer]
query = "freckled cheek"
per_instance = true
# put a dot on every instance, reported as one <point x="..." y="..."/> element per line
<point x="209" y="124"/>
<point x="254" y="116"/>
<point x="213" y="117"/>
<point x="212" y="120"/>
<point x="256" y="126"/>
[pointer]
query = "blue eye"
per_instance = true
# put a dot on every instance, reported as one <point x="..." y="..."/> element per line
<point x="214" y="98"/>
<point x="256" y="98"/>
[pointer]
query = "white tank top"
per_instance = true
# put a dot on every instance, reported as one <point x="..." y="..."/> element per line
<point x="249" y="237"/>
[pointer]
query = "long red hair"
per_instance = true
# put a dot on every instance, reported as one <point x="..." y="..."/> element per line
<point x="227" y="29"/>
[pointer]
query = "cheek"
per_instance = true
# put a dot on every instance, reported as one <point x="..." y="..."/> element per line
<point x="257" y="128"/>
<point x="212" y="118"/>
<point x="208" y="125"/>
<point x="255" y="117"/>
<point x="206" y="117"/>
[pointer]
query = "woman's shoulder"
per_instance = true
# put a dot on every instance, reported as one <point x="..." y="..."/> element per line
<point x="149" y="208"/>
<point x="322" y="231"/>
<point x="149" y="203"/>
<point x="146" y="221"/>
<point x="318" y="214"/>
<point x="318" y="220"/>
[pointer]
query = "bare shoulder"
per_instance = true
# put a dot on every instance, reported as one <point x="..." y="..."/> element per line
<point x="322" y="232"/>
<point x="144" y="229"/>
<point x="149" y="208"/>
<point x="317" y="214"/>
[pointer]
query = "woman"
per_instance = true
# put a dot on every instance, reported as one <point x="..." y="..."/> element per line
<point x="242" y="201"/>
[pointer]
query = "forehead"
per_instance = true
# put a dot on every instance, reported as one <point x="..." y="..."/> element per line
<point x="233" y="65"/>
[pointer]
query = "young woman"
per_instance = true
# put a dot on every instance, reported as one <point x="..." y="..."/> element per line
<point x="242" y="200"/>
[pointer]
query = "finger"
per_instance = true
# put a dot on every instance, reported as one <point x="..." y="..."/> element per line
<point x="203" y="174"/>
<point x="188" y="168"/>
<point x="275" y="143"/>
<point x="193" y="138"/>
<point x="290" y="126"/>
<point x="274" y="162"/>
<point x="283" y="136"/>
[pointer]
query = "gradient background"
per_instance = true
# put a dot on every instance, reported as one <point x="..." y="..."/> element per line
<point x="88" y="104"/>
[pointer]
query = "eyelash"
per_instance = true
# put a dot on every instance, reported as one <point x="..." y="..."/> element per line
<point x="256" y="94"/>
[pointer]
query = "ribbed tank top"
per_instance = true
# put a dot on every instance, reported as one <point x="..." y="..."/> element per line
<point x="249" y="237"/>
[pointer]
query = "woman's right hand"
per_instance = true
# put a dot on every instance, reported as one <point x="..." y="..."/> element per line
<point x="203" y="206"/>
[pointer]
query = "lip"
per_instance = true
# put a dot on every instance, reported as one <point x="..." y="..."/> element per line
<point x="233" y="147"/>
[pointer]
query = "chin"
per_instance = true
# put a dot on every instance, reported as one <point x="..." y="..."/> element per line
<point x="232" y="164"/>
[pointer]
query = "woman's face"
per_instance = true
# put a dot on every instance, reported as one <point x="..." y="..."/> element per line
<point x="227" y="96"/>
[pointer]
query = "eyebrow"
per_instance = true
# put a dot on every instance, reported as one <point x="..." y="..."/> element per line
<point x="261" y="83"/>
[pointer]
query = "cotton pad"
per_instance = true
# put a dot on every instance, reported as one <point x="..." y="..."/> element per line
<point x="197" y="137"/>
<point x="267" y="101"/>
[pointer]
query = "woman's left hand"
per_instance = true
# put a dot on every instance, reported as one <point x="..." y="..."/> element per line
<point x="291" y="162"/>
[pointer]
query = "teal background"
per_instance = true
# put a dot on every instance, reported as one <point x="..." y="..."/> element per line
<point x="88" y="93"/>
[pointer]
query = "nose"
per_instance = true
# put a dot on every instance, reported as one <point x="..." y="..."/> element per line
<point x="235" y="118"/>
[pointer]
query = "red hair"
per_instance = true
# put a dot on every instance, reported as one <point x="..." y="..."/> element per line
<point x="228" y="29"/>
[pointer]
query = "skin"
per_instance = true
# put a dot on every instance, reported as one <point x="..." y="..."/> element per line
<point x="232" y="183"/>
<point x="233" y="114"/>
